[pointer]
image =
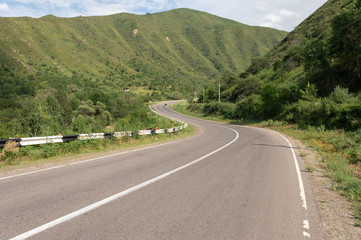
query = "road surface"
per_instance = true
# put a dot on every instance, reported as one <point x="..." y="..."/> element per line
<point x="230" y="182"/>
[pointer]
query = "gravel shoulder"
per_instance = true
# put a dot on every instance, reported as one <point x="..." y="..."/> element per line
<point x="335" y="210"/>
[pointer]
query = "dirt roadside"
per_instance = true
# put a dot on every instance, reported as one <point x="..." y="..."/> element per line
<point x="336" y="212"/>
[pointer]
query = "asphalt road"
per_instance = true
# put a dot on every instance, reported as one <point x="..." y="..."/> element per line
<point x="230" y="182"/>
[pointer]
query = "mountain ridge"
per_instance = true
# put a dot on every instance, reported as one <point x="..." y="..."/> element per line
<point x="138" y="49"/>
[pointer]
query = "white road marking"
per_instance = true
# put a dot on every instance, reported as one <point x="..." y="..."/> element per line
<point x="306" y="224"/>
<point x="116" y="196"/>
<point x="306" y="234"/>
<point x="27" y="173"/>
<point x="300" y="182"/>
<point x="89" y="160"/>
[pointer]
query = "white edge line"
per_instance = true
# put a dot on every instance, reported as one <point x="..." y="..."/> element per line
<point x="115" y="196"/>
<point x="300" y="181"/>
<point x="90" y="160"/>
<point x="306" y="224"/>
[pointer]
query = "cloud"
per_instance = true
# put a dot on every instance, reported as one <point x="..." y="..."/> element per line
<point x="262" y="6"/>
<point x="273" y="18"/>
<point x="287" y="13"/>
<point x="278" y="14"/>
<point x="71" y="8"/>
<point x="279" y="19"/>
<point x="272" y="13"/>
<point x="4" y="7"/>
<point x="106" y="7"/>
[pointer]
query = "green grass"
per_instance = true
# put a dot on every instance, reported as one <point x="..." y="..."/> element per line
<point x="311" y="169"/>
<point x="340" y="152"/>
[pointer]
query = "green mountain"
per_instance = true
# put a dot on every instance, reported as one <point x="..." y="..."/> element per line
<point x="287" y="59"/>
<point x="68" y="74"/>
<point x="179" y="48"/>
<point x="312" y="77"/>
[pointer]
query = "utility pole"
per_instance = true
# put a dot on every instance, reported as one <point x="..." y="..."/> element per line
<point x="204" y="94"/>
<point x="219" y="91"/>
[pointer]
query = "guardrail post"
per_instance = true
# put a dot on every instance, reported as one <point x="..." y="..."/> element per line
<point x="4" y="141"/>
<point x="70" y="138"/>
<point x="108" y="135"/>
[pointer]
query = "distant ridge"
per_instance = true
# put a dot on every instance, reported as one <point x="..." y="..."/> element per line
<point x="176" y="48"/>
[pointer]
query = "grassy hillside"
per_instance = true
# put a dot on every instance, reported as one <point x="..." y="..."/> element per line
<point x="311" y="77"/>
<point x="285" y="62"/>
<point x="67" y="75"/>
<point x="182" y="48"/>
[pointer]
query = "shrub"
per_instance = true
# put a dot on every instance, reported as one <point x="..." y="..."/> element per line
<point x="9" y="152"/>
<point x="228" y="110"/>
<point x="211" y="108"/>
<point x="341" y="110"/>
<point x="270" y="97"/>
<point x="249" y="107"/>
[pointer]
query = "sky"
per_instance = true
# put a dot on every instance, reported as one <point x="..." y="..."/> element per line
<point x="279" y="14"/>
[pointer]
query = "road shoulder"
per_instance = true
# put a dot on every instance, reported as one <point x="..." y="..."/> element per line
<point x="335" y="210"/>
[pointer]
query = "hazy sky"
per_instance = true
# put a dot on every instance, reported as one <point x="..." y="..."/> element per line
<point x="280" y="14"/>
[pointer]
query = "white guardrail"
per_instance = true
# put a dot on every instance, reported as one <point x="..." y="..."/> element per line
<point x="68" y="138"/>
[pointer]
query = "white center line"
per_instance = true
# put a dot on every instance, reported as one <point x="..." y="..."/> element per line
<point x="116" y="196"/>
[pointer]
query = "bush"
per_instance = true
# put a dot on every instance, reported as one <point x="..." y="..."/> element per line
<point x="228" y="110"/>
<point x="270" y="101"/>
<point x="81" y="125"/>
<point x="249" y="107"/>
<point x="9" y="152"/>
<point x="211" y="108"/>
<point x="245" y="87"/>
<point x="341" y="110"/>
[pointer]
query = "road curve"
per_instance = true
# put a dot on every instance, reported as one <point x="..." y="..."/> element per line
<point x="231" y="182"/>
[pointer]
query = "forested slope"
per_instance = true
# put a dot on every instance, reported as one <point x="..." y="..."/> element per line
<point x="67" y="75"/>
<point x="182" y="48"/>
<point x="311" y="78"/>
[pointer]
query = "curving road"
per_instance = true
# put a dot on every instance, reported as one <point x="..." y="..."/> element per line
<point x="230" y="182"/>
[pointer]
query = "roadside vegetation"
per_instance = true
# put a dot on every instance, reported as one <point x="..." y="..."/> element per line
<point x="13" y="157"/>
<point x="50" y="103"/>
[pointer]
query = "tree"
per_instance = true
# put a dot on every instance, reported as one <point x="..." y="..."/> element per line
<point x="270" y="100"/>
<point x="86" y="108"/>
<point x="345" y="45"/>
<point x="245" y="87"/>
<point x="65" y="107"/>
<point x="317" y="65"/>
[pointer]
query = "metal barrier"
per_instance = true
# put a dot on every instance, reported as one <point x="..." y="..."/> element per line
<point x="89" y="136"/>
<point x="40" y="140"/>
